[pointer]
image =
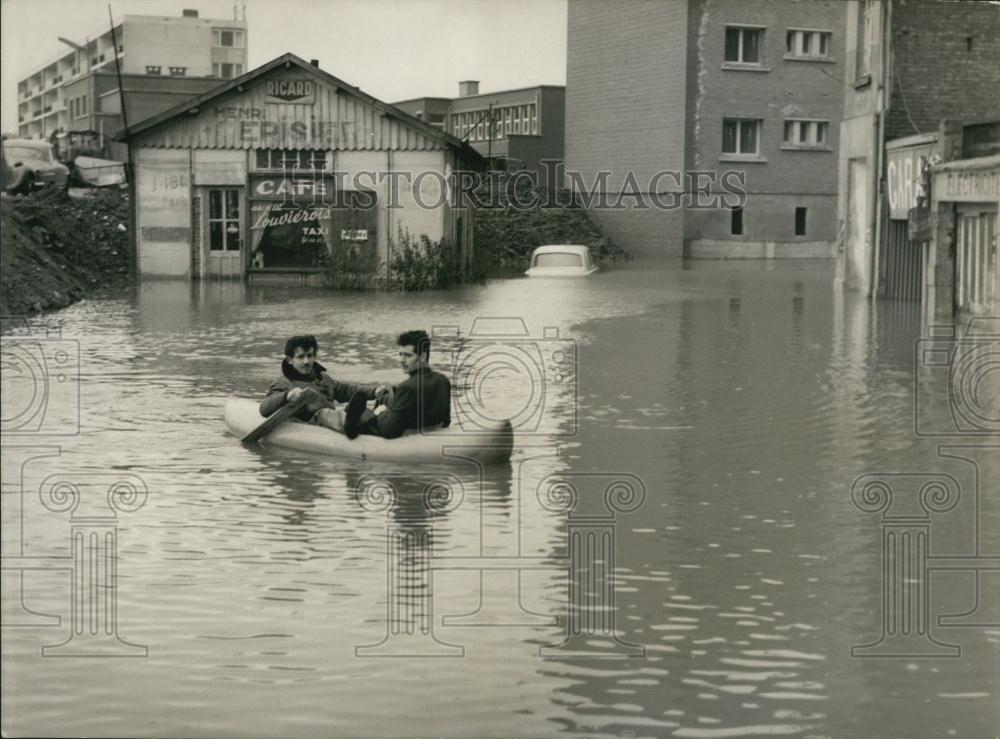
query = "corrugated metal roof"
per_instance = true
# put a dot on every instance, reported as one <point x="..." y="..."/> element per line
<point x="240" y="114"/>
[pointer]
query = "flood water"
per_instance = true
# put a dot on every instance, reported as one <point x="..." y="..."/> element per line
<point x="673" y="550"/>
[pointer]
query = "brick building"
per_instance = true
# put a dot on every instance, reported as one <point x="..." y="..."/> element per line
<point x="708" y="86"/>
<point x="910" y="66"/>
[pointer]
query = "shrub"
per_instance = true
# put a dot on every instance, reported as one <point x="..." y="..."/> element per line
<point x="415" y="263"/>
<point x="517" y="218"/>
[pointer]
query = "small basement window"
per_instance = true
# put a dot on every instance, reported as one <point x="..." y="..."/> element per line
<point x="800" y="221"/>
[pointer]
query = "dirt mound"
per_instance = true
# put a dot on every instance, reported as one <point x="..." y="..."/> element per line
<point x="56" y="249"/>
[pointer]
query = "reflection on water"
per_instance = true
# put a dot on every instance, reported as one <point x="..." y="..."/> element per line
<point x="673" y="550"/>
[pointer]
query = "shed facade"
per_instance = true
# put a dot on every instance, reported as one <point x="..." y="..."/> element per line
<point x="270" y="173"/>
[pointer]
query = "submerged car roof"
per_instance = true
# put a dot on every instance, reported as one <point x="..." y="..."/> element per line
<point x="549" y="248"/>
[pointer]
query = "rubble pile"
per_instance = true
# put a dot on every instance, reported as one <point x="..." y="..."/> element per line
<point x="58" y="249"/>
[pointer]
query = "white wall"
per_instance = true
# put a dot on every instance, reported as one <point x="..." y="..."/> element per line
<point x="163" y="223"/>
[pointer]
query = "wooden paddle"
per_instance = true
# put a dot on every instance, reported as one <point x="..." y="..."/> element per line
<point x="279" y="416"/>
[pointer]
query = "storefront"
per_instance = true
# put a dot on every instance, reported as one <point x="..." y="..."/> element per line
<point x="966" y="200"/>
<point x="272" y="173"/>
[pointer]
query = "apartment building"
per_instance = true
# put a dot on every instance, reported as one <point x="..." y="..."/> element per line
<point x="515" y="129"/>
<point x="163" y="60"/>
<point x="668" y="101"/>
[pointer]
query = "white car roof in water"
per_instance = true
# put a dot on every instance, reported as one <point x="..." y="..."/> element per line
<point x="563" y="248"/>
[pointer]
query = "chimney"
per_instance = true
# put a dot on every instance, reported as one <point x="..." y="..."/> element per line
<point x="468" y="87"/>
<point x="189" y="13"/>
<point x="314" y="62"/>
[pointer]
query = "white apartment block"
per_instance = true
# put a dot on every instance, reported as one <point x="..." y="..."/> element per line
<point x="77" y="89"/>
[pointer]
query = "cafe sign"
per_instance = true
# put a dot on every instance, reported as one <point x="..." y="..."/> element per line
<point x="293" y="189"/>
<point x="283" y="91"/>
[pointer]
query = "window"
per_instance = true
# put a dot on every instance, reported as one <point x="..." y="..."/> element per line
<point x="178" y="71"/>
<point x="225" y="231"/>
<point x="743" y="45"/>
<point x="804" y="134"/>
<point x="152" y="69"/>
<point x="228" y="37"/>
<point x="740" y="136"/>
<point x="291" y="160"/>
<point x="800" y="221"/>
<point x="226" y="71"/>
<point x="534" y="119"/>
<point x="736" y="221"/>
<point x="802" y="44"/>
<point x="867" y="29"/>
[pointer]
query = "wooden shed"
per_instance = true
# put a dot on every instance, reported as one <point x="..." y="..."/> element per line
<point x="268" y="174"/>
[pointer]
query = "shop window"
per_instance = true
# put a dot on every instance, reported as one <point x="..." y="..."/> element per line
<point x="743" y="45"/>
<point x="805" y="134"/>
<point x="291" y="160"/>
<point x="740" y="136"/>
<point x="802" y="44"/>
<point x="225" y="228"/>
<point x="800" y="221"/>
<point x="736" y="221"/>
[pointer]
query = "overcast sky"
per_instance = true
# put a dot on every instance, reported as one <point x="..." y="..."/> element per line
<point x="392" y="49"/>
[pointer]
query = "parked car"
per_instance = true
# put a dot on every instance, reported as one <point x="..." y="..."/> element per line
<point x="561" y="260"/>
<point x="32" y="166"/>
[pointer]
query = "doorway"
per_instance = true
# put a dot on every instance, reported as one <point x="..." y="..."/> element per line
<point x="224" y="232"/>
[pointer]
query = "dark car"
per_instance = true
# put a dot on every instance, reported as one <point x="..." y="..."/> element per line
<point x="31" y="165"/>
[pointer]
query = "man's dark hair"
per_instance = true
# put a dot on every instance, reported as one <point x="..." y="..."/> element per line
<point x="418" y="339"/>
<point x="306" y="342"/>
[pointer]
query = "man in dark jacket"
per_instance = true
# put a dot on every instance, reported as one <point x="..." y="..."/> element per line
<point x="421" y="401"/>
<point x="301" y="372"/>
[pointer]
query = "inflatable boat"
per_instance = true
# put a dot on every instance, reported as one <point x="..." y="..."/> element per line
<point x="486" y="445"/>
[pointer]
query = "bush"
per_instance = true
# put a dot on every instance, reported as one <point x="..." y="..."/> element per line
<point x="352" y="268"/>
<point x="517" y="218"/>
<point x="415" y="263"/>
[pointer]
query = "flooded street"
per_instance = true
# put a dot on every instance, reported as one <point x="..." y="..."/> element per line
<point x="673" y="550"/>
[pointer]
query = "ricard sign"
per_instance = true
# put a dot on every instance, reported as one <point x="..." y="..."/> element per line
<point x="296" y="90"/>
